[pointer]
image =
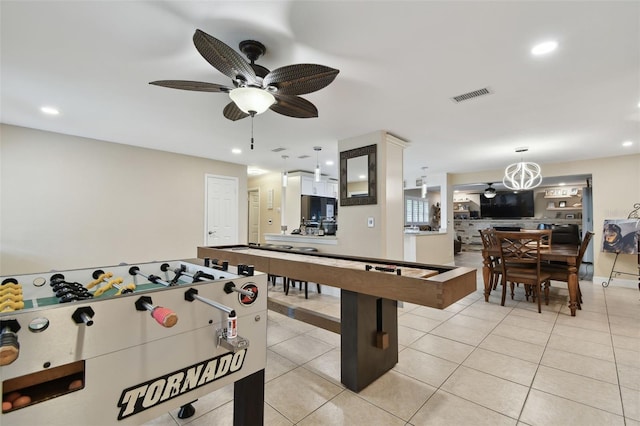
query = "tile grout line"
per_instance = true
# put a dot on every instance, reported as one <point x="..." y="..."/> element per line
<point x="613" y="350"/>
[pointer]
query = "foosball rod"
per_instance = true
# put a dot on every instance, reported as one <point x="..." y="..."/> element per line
<point x="179" y="271"/>
<point x="101" y="276"/>
<point x="232" y="319"/>
<point x="230" y="286"/>
<point x="192" y="294"/>
<point x="134" y="270"/>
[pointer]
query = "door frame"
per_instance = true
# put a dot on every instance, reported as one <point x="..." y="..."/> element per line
<point x="206" y="204"/>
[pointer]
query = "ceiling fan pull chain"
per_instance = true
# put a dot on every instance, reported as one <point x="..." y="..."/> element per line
<point x="252" y="132"/>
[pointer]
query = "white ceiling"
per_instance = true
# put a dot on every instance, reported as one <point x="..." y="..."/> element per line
<point x="400" y="63"/>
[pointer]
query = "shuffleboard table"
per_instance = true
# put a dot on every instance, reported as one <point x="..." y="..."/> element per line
<point x="369" y="295"/>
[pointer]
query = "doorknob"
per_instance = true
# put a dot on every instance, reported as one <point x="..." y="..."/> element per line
<point x="212" y="232"/>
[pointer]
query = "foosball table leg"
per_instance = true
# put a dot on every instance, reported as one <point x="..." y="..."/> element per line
<point x="187" y="410"/>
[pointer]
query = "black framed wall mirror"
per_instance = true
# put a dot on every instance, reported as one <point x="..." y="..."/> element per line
<point x="358" y="176"/>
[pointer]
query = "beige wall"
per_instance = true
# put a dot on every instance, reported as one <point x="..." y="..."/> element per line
<point x="269" y="218"/>
<point x="70" y="202"/>
<point x="616" y="187"/>
<point x="392" y="188"/>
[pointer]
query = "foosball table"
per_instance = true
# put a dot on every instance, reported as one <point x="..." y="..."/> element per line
<point x="127" y="343"/>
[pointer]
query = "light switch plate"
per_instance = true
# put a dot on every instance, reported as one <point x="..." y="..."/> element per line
<point x="370" y="222"/>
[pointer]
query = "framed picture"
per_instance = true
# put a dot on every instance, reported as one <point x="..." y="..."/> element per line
<point x="565" y="192"/>
<point x="621" y="236"/>
<point x="562" y="204"/>
<point x="570" y="216"/>
<point x="551" y="205"/>
<point x="551" y="192"/>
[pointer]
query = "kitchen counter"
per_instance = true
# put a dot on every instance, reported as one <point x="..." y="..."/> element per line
<point x="301" y="239"/>
<point x="411" y="232"/>
<point x="430" y="247"/>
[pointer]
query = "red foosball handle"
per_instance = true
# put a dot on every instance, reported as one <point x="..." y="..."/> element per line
<point x="164" y="316"/>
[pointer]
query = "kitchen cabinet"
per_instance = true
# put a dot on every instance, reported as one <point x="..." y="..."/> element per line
<point x="323" y="188"/>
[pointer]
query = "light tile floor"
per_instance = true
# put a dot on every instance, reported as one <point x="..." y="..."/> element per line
<point x="474" y="363"/>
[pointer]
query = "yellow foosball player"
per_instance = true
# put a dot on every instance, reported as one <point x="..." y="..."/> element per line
<point x="11" y="295"/>
<point x="104" y="277"/>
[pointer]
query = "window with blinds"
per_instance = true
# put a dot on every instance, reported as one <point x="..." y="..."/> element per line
<point x="416" y="211"/>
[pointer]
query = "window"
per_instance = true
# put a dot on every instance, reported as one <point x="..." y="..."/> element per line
<point x="416" y="211"/>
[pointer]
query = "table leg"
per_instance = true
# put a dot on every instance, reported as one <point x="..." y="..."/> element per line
<point x="486" y="276"/>
<point x="364" y="357"/>
<point x="572" y="282"/>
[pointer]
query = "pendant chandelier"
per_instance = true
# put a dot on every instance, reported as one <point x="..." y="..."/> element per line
<point x="424" y="190"/>
<point x="522" y="175"/>
<point x="317" y="149"/>
<point x="285" y="174"/>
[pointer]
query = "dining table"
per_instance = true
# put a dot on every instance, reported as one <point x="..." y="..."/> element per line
<point x="566" y="253"/>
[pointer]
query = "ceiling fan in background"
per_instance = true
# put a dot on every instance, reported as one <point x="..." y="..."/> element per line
<point x="490" y="191"/>
<point x="256" y="89"/>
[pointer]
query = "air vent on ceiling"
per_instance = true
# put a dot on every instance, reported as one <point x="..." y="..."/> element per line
<point x="471" y="95"/>
<point x="304" y="156"/>
<point x="278" y="149"/>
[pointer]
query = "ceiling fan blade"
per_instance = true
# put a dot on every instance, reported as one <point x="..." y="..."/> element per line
<point x="199" y="86"/>
<point x="300" y="79"/>
<point x="294" y="106"/>
<point x="233" y="113"/>
<point x="223" y="58"/>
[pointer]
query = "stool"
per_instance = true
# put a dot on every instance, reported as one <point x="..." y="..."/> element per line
<point x="273" y="278"/>
<point x="293" y="281"/>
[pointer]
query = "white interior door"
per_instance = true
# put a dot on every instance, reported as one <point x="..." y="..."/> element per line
<point x="221" y="216"/>
<point x="254" y="216"/>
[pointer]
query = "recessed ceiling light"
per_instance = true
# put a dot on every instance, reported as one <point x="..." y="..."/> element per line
<point x="236" y="151"/>
<point x="561" y="184"/>
<point x="253" y="171"/>
<point x="544" y="48"/>
<point x="627" y="143"/>
<point x="50" y="110"/>
<point x="329" y="163"/>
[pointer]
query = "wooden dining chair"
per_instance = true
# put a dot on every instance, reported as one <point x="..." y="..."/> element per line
<point x="520" y="259"/>
<point x="559" y="271"/>
<point x="547" y="234"/>
<point x="489" y="240"/>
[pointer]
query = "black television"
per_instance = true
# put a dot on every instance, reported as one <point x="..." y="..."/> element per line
<point x="507" y="205"/>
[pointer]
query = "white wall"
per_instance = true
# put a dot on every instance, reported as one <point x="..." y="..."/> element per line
<point x="70" y="202"/>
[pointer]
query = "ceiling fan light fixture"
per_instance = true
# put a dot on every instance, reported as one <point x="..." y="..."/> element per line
<point x="252" y="99"/>
<point x="490" y="191"/>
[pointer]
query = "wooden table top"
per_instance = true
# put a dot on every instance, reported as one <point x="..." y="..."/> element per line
<point x="359" y="265"/>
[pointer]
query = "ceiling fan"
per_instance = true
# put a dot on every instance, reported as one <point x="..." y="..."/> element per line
<point x="255" y="88"/>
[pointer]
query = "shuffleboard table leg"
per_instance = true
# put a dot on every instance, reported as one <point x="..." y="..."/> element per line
<point x="363" y="319"/>
<point x="248" y="400"/>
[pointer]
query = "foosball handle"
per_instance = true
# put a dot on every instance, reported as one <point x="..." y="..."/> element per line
<point x="9" y="346"/>
<point x="164" y="316"/>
